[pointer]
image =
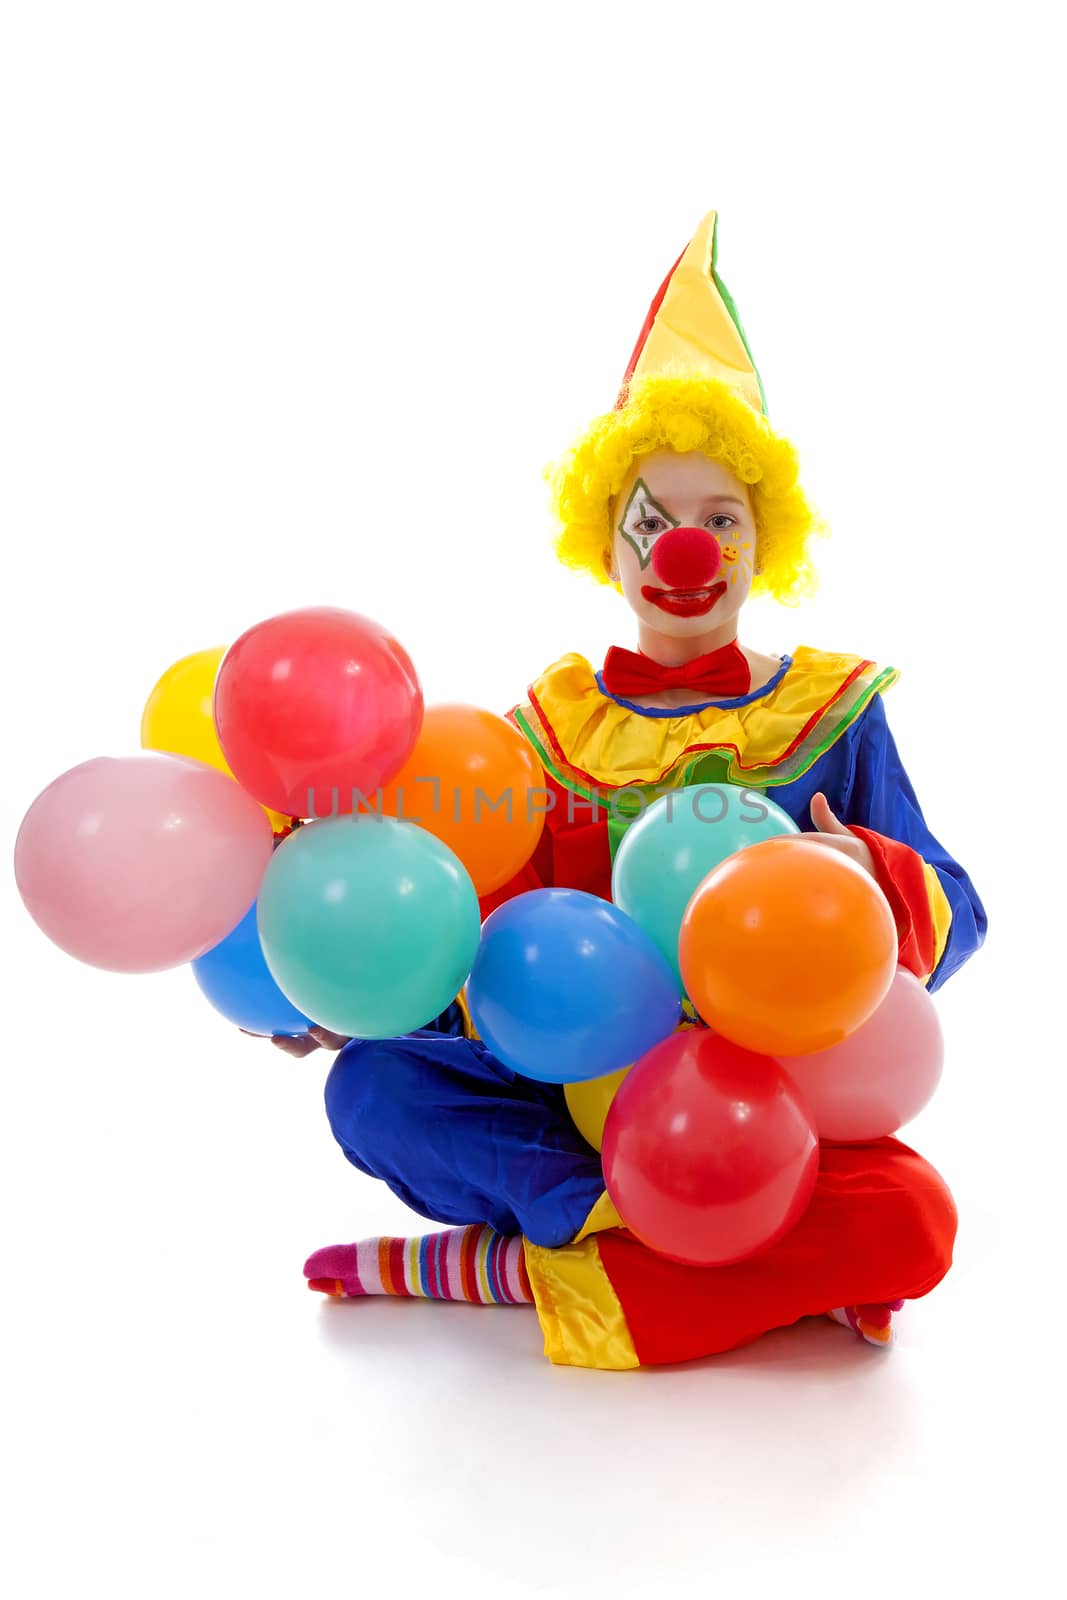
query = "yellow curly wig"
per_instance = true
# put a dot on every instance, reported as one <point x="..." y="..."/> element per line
<point x="685" y="413"/>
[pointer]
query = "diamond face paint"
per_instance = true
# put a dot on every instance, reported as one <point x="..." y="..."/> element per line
<point x="642" y="506"/>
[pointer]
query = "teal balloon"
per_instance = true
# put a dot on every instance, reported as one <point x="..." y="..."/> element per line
<point x="667" y="852"/>
<point x="369" y="925"/>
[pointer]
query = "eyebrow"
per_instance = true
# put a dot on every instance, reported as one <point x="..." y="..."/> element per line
<point x="707" y="500"/>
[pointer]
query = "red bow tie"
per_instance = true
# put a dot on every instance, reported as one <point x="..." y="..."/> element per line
<point x="719" y="675"/>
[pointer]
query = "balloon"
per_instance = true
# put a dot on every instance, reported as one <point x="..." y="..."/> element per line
<point x="590" y="1102"/>
<point x="710" y="1153"/>
<point x="787" y="947"/>
<point x="314" y="708"/>
<point x="235" y="977"/>
<point x="142" y="862"/>
<point x="882" y="1075"/>
<point x="664" y="856"/>
<point x="474" y="760"/>
<point x="566" y="986"/>
<point x="178" y="718"/>
<point x="369" y="925"/>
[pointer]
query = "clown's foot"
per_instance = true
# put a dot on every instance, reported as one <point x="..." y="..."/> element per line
<point x="872" y="1323"/>
<point x="475" y="1264"/>
<point x="484" y="1267"/>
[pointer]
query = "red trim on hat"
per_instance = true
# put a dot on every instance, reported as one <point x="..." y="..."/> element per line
<point x="645" y="331"/>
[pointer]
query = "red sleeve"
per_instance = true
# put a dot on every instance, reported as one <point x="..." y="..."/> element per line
<point x="901" y="878"/>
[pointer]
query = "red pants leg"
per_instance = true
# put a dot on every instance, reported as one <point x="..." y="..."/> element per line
<point x="880" y="1226"/>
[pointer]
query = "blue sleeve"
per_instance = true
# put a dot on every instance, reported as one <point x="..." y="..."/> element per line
<point x="880" y="796"/>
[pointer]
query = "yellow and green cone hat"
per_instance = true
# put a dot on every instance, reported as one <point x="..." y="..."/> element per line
<point x="693" y="326"/>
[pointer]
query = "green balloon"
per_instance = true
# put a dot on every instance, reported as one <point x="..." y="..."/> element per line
<point x="667" y="853"/>
<point x="372" y="922"/>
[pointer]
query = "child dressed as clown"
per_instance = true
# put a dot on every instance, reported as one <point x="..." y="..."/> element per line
<point x="686" y="501"/>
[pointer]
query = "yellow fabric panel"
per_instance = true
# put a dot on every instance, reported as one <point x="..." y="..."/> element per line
<point x="469" y="1030"/>
<point x="774" y="738"/>
<point x="579" y="1311"/>
<point x="693" y="329"/>
<point x="940" y="912"/>
<point x="603" y="1215"/>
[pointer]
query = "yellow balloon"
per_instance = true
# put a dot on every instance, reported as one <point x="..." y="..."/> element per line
<point x="589" y="1103"/>
<point x="179" y="718"/>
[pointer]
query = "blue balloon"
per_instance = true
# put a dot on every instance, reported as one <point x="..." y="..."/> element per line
<point x="234" y="977"/>
<point x="565" y="987"/>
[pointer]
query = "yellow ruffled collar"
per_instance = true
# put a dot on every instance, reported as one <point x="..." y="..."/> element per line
<point x="588" y="739"/>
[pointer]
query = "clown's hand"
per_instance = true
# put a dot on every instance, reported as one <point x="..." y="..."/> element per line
<point x="834" y="835"/>
<point x="305" y="1043"/>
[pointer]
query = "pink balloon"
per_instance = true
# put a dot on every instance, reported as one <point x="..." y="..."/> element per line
<point x="141" y="862"/>
<point x="880" y="1076"/>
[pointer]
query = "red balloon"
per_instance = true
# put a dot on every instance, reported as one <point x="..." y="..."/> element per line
<point x="710" y="1152"/>
<point x="314" y="705"/>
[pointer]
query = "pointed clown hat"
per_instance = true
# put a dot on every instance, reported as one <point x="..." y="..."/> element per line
<point x="693" y="327"/>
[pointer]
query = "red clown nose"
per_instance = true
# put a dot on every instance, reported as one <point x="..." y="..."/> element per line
<point x="686" y="558"/>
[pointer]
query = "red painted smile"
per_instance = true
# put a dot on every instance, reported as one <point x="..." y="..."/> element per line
<point x="684" y="602"/>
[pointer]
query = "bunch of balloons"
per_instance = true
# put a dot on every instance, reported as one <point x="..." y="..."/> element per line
<point x="315" y="842"/>
<point x="366" y="918"/>
<point x="788" y="955"/>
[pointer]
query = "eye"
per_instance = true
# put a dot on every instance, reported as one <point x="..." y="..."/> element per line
<point x="721" y="521"/>
<point x="650" y="525"/>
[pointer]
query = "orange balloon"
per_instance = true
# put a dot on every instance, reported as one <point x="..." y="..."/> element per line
<point x="479" y="802"/>
<point x="787" y="948"/>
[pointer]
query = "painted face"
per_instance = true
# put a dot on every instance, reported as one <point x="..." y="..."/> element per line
<point x="669" y="490"/>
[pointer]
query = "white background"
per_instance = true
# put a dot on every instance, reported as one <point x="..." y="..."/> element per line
<point x="296" y="301"/>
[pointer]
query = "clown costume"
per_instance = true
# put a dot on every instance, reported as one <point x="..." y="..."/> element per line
<point x="686" y="461"/>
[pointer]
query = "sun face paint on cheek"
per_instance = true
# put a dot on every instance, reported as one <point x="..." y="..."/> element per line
<point x="737" y="561"/>
<point x="640" y="507"/>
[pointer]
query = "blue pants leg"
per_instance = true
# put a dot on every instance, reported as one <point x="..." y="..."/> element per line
<point x="460" y="1138"/>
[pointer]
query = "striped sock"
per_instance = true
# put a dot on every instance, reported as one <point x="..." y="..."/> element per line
<point x="873" y="1323"/>
<point x="474" y="1263"/>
